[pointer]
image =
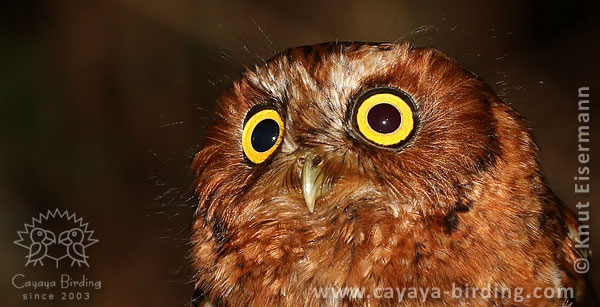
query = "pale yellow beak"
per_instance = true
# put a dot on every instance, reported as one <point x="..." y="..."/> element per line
<point x="312" y="178"/>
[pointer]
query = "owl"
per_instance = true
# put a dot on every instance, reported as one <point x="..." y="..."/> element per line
<point x="376" y="174"/>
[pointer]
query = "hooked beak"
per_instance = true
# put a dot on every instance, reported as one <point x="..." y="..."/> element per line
<point x="49" y="239"/>
<point x="312" y="178"/>
<point x="64" y="239"/>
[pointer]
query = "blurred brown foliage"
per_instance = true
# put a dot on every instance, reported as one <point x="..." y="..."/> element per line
<point x="103" y="103"/>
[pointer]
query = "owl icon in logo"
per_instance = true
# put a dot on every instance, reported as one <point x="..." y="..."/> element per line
<point x="54" y="236"/>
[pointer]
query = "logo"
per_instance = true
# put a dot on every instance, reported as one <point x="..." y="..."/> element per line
<point x="55" y="236"/>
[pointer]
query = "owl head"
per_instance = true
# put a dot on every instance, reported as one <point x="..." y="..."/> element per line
<point x="349" y="164"/>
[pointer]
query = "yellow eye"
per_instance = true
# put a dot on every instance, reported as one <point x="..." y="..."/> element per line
<point x="262" y="135"/>
<point x="385" y="118"/>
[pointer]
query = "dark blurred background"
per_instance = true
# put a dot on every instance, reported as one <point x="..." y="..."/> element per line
<point x="103" y="105"/>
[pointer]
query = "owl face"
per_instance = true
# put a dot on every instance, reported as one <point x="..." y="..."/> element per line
<point x="325" y="162"/>
<point x="391" y="120"/>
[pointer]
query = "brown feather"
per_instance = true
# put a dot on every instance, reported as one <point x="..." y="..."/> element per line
<point x="463" y="203"/>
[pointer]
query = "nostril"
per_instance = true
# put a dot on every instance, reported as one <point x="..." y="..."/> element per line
<point x="317" y="160"/>
<point x="314" y="160"/>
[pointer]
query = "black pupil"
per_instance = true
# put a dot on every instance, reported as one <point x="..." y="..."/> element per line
<point x="265" y="135"/>
<point x="384" y="118"/>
